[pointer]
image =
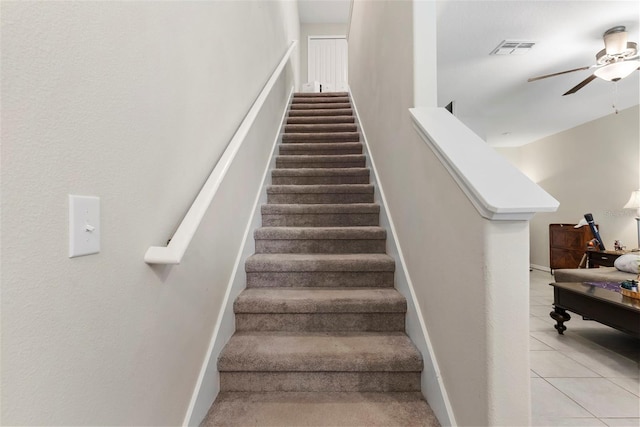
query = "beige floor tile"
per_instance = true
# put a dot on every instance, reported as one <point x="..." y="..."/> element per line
<point x="606" y="363"/>
<point x="630" y="384"/>
<point x="548" y="402"/>
<point x="553" y="364"/>
<point x="533" y="374"/>
<point x="566" y="342"/>
<point x="542" y="311"/>
<point x="537" y="324"/>
<point x="599" y="396"/>
<point x="621" y="422"/>
<point x="559" y="421"/>
<point x="537" y="345"/>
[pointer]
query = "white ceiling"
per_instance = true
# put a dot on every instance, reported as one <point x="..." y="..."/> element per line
<point x="491" y="93"/>
<point x="324" y="11"/>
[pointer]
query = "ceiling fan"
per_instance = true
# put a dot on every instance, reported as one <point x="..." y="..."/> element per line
<point x="616" y="61"/>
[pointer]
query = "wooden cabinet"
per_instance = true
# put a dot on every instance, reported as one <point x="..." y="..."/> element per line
<point x="567" y="245"/>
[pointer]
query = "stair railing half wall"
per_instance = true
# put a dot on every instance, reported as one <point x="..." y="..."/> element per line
<point x="482" y="204"/>
<point x="177" y="246"/>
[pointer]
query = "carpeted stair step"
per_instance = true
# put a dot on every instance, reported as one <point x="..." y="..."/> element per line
<point x="320" y="270"/>
<point x="320" y="127"/>
<point x="320" y="120"/>
<point x="316" y="94"/>
<point x="319" y="352"/>
<point x="289" y="409"/>
<point x="319" y="94"/>
<point x="316" y="361"/>
<point x="321" y="137"/>
<point x="321" y="161"/>
<point x="320" y="327"/>
<point x="319" y="99"/>
<point x="311" y="176"/>
<point x="315" y="194"/>
<point x="346" y="111"/>
<point x="321" y="149"/>
<point x="324" y="215"/>
<point x="308" y="240"/>
<point x="320" y="310"/>
<point x="320" y="106"/>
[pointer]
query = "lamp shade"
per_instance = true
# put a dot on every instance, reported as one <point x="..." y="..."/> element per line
<point x="634" y="203"/>
<point x="634" y="200"/>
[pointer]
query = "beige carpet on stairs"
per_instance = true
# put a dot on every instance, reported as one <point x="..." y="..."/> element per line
<point x="320" y="336"/>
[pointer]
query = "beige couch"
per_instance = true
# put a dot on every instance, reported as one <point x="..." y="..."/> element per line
<point x="602" y="274"/>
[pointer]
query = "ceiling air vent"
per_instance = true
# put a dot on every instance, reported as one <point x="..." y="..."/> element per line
<point x="509" y="47"/>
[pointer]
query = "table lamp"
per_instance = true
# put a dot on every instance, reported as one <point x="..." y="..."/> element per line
<point x="634" y="203"/>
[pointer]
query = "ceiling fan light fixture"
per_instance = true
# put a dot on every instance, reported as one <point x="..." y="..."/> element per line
<point x="617" y="70"/>
<point x="616" y="61"/>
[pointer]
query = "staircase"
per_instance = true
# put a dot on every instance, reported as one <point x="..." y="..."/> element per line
<point x="320" y="328"/>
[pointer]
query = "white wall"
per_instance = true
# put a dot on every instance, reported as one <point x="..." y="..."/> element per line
<point x="470" y="275"/>
<point x="425" y="49"/>
<point x="132" y="102"/>
<point x="307" y="30"/>
<point x="590" y="168"/>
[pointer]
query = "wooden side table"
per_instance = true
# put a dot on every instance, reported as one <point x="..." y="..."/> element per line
<point x="597" y="258"/>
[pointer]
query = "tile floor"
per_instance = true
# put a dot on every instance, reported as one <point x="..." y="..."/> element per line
<point x="587" y="377"/>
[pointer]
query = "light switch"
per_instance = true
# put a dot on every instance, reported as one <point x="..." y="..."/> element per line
<point x="84" y="225"/>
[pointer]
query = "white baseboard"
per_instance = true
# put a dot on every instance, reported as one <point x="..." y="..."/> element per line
<point x="431" y="380"/>
<point x="208" y="384"/>
<point x="540" y="267"/>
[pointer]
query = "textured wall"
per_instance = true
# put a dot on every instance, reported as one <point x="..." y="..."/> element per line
<point x="590" y="168"/>
<point x="132" y="102"/>
<point x="470" y="275"/>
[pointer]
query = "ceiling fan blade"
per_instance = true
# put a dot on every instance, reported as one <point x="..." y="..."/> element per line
<point x="581" y="85"/>
<point x="533" y="79"/>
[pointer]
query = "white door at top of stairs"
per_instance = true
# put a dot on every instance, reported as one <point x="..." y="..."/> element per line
<point x="327" y="62"/>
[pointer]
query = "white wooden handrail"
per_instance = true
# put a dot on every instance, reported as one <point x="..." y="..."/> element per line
<point x="174" y="251"/>
<point x="496" y="188"/>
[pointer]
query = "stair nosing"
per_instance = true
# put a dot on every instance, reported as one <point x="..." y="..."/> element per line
<point x="318" y="209"/>
<point x="335" y="352"/>
<point x="321" y="189"/>
<point x="289" y="262"/>
<point x="321" y="233"/>
<point x="321" y="172"/>
<point x="320" y="158"/>
<point x="319" y="300"/>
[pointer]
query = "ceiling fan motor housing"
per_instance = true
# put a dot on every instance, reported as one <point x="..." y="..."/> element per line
<point x="615" y="40"/>
<point x="617" y="48"/>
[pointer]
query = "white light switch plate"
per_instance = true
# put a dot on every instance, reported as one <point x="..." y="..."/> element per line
<point x="84" y="225"/>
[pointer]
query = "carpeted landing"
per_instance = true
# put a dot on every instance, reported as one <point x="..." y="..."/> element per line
<point x="320" y="335"/>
